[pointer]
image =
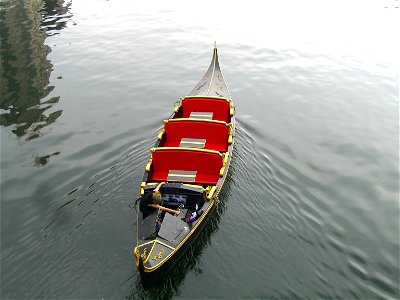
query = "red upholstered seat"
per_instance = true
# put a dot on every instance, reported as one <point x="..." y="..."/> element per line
<point x="207" y="165"/>
<point x="219" y="107"/>
<point x="215" y="134"/>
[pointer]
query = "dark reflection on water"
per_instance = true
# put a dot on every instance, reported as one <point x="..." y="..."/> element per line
<point x="25" y="69"/>
<point x="41" y="161"/>
<point x="55" y="15"/>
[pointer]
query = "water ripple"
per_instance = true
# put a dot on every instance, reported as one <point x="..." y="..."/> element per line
<point x="309" y="209"/>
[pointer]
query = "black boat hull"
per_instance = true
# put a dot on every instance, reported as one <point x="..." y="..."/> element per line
<point x="151" y="278"/>
<point x="188" y="164"/>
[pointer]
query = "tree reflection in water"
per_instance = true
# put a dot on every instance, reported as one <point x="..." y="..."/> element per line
<point x="24" y="67"/>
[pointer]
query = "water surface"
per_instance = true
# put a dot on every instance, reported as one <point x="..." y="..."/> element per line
<point x="311" y="205"/>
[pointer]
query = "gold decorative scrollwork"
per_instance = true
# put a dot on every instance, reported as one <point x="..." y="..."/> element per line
<point x="144" y="254"/>
<point x="159" y="255"/>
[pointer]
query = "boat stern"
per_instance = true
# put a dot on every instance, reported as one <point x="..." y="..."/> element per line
<point x="151" y="256"/>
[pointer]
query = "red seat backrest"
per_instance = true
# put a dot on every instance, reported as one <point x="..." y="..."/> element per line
<point x="219" y="107"/>
<point x="204" y="163"/>
<point x="212" y="132"/>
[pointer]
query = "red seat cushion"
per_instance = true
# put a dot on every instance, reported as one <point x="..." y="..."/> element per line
<point x="207" y="165"/>
<point x="219" y="107"/>
<point x="215" y="134"/>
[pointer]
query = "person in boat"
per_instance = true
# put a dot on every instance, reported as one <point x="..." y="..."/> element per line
<point x="152" y="200"/>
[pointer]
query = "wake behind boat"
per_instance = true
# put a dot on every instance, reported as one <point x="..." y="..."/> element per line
<point x="188" y="165"/>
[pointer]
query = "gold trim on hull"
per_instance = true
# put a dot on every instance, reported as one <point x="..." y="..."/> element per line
<point x="215" y="191"/>
<point x="212" y="191"/>
<point x="152" y="269"/>
<point x="213" y="71"/>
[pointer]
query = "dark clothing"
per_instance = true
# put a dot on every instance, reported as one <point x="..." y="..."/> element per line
<point x="144" y="202"/>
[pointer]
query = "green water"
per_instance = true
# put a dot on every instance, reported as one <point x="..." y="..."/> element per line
<point x="311" y="205"/>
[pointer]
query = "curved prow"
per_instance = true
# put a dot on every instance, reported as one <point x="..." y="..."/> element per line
<point x="212" y="83"/>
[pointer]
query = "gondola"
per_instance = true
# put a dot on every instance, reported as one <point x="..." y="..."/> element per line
<point x="191" y="155"/>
